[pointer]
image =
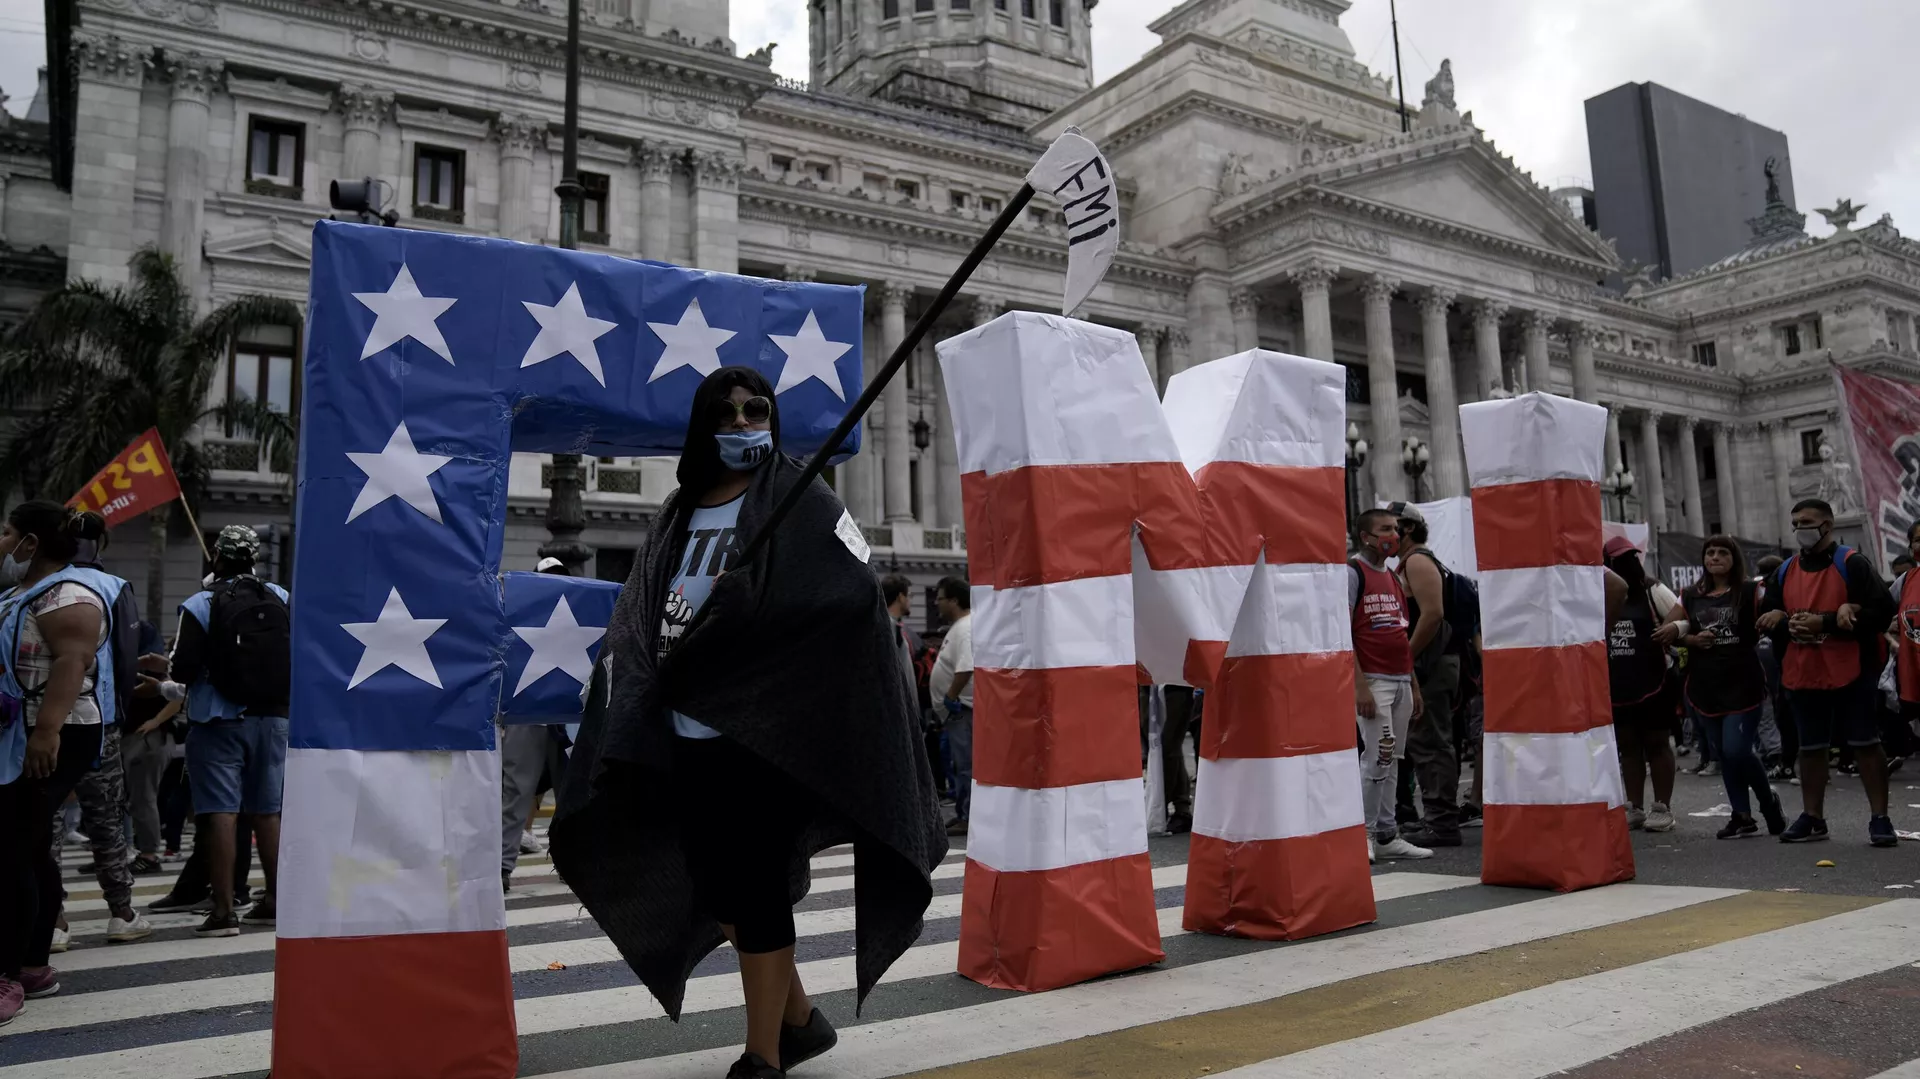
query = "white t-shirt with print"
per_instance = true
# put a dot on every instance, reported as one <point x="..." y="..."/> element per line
<point x="955" y="659"/>
<point x="35" y="659"/>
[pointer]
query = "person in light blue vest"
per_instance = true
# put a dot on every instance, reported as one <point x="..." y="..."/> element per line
<point x="56" y="695"/>
<point x="232" y="654"/>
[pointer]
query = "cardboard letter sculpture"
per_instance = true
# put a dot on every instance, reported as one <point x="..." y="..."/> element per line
<point x="1555" y="805"/>
<point x="431" y="358"/>
<point x="1065" y="453"/>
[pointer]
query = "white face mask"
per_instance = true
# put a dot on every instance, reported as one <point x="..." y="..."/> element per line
<point x="1807" y="538"/>
<point x="12" y="570"/>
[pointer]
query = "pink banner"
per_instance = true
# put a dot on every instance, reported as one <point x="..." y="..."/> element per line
<point x="1883" y="422"/>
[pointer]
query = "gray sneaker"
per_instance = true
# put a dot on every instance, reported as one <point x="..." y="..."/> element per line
<point x="1659" y="818"/>
<point x="1635" y="817"/>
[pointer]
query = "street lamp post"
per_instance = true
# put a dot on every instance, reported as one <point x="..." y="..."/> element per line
<point x="1356" y="460"/>
<point x="566" y="515"/>
<point x="1414" y="458"/>
<point x="1619" y="483"/>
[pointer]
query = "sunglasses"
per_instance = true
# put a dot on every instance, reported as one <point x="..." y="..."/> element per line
<point x="753" y="410"/>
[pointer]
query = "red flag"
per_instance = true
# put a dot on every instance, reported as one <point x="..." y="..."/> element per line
<point x="1882" y="418"/>
<point x="139" y="479"/>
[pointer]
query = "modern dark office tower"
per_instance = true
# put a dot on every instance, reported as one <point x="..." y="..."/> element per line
<point x="1675" y="180"/>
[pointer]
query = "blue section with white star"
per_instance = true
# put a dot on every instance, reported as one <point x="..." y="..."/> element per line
<point x="431" y="358"/>
<point x="558" y="623"/>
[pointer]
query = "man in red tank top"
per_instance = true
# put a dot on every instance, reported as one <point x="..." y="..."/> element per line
<point x="1384" y="692"/>
<point x="1826" y="616"/>
<point x="1906" y="631"/>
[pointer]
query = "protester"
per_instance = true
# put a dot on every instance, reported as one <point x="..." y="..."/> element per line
<point x="56" y="689"/>
<point x="1905" y="594"/>
<point x="897" y="592"/>
<point x="744" y="716"/>
<point x="532" y="756"/>
<point x="146" y="745"/>
<point x="952" y="685"/>
<point x="1766" y="571"/>
<point x="1384" y="693"/>
<point x="1826" y="609"/>
<point x="1178" y="702"/>
<point x="1643" y="705"/>
<point x="1436" y="647"/>
<point x="232" y="654"/>
<point x="1724" y="683"/>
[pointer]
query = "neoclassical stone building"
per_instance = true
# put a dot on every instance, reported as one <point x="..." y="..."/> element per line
<point x="1270" y="195"/>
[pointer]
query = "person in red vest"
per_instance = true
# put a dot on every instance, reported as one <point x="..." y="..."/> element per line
<point x="1826" y="616"/>
<point x="1906" y="628"/>
<point x="1384" y="692"/>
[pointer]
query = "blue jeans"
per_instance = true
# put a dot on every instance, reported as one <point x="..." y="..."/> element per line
<point x="1733" y="738"/>
<point x="960" y="755"/>
<point x="237" y="765"/>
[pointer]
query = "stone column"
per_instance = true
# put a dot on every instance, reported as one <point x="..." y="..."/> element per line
<point x="1689" y="465"/>
<point x="108" y="72"/>
<point x="1177" y="356"/>
<point x="1443" y="405"/>
<point x="1316" y="317"/>
<point x="193" y="79"/>
<point x="1653" y="490"/>
<point x="1780" y="437"/>
<point x="656" y="200"/>
<point x="946" y="451"/>
<point x="1209" y="307"/>
<point x="1533" y="329"/>
<point x="1486" y="343"/>
<point x="898" y="480"/>
<point x="716" y="212"/>
<point x="518" y="135"/>
<point x="1149" y="338"/>
<point x="1614" y="460"/>
<point x="1581" y="337"/>
<point x="1246" y="320"/>
<point x="364" y="110"/>
<point x="1389" y="480"/>
<point x="1723" y="477"/>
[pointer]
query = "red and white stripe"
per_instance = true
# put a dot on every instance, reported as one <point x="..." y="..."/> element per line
<point x="391" y="957"/>
<point x="1056" y="425"/>
<point x="1555" y="804"/>
<point x="1278" y="850"/>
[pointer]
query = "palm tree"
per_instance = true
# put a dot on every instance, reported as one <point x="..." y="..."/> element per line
<point x="94" y="367"/>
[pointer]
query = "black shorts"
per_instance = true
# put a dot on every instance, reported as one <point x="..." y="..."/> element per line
<point x="740" y="823"/>
<point x="1656" y="713"/>
<point x="1850" y="714"/>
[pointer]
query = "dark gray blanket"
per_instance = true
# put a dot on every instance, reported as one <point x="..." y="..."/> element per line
<point x="792" y="657"/>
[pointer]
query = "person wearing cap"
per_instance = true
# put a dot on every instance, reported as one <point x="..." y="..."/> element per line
<point x="532" y="757"/>
<point x="1643" y="701"/>
<point x="236" y="753"/>
<point x="1436" y="666"/>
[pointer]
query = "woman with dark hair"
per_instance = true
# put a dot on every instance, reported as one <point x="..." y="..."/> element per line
<point x="56" y="692"/>
<point x="1642" y="705"/>
<point x="744" y="717"/>
<point x="1725" y="682"/>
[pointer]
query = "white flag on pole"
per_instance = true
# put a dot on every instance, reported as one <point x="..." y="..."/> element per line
<point x="1077" y="175"/>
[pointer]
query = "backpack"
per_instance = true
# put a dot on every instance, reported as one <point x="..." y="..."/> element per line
<point x="249" y="645"/>
<point x="1841" y="552"/>
<point x="1459" y="604"/>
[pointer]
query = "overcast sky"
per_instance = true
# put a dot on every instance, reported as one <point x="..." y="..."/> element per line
<point x="1834" y="75"/>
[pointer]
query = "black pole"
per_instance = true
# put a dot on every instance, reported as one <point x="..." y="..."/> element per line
<point x="868" y="396"/>
<point x="566" y="515"/>
<point x="1399" y="79"/>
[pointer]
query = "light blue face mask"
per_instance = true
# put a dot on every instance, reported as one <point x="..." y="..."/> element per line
<point x="744" y="451"/>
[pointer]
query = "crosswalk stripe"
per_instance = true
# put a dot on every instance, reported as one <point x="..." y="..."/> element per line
<point x="82" y="1009"/>
<point x="955" y="1036"/>
<point x="1570" y="1022"/>
<point x="1909" y="1070"/>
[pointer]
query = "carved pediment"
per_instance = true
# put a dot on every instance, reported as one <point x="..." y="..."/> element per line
<point x="270" y="245"/>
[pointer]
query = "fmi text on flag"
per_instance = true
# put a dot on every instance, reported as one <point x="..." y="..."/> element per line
<point x="1077" y="175"/>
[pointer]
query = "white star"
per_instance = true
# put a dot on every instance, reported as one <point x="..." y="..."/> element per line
<point x="690" y="343"/>
<point x="401" y="312"/>
<point x="560" y="645"/>
<point x="395" y="639"/>
<point x="567" y="328"/>
<point x="810" y="355"/>
<point x="399" y="471"/>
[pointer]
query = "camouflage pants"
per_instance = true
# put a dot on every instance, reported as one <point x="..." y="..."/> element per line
<point x="102" y="794"/>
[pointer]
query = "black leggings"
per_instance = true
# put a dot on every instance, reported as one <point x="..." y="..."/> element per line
<point x="740" y="819"/>
<point x="30" y="892"/>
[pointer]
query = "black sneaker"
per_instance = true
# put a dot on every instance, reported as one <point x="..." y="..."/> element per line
<point x="802" y="1043"/>
<point x="1776" y="817"/>
<point x="750" y="1066"/>
<point x="261" y="913"/>
<point x="1739" y="826"/>
<point x="219" y="926"/>
<point x="1427" y="837"/>
<point x="1471" y="816"/>
<point x="1805" y="827"/>
<point x="1179" y="823"/>
<point x="175" y="903"/>
<point x="1880" y="832"/>
<point x="145" y="866"/>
